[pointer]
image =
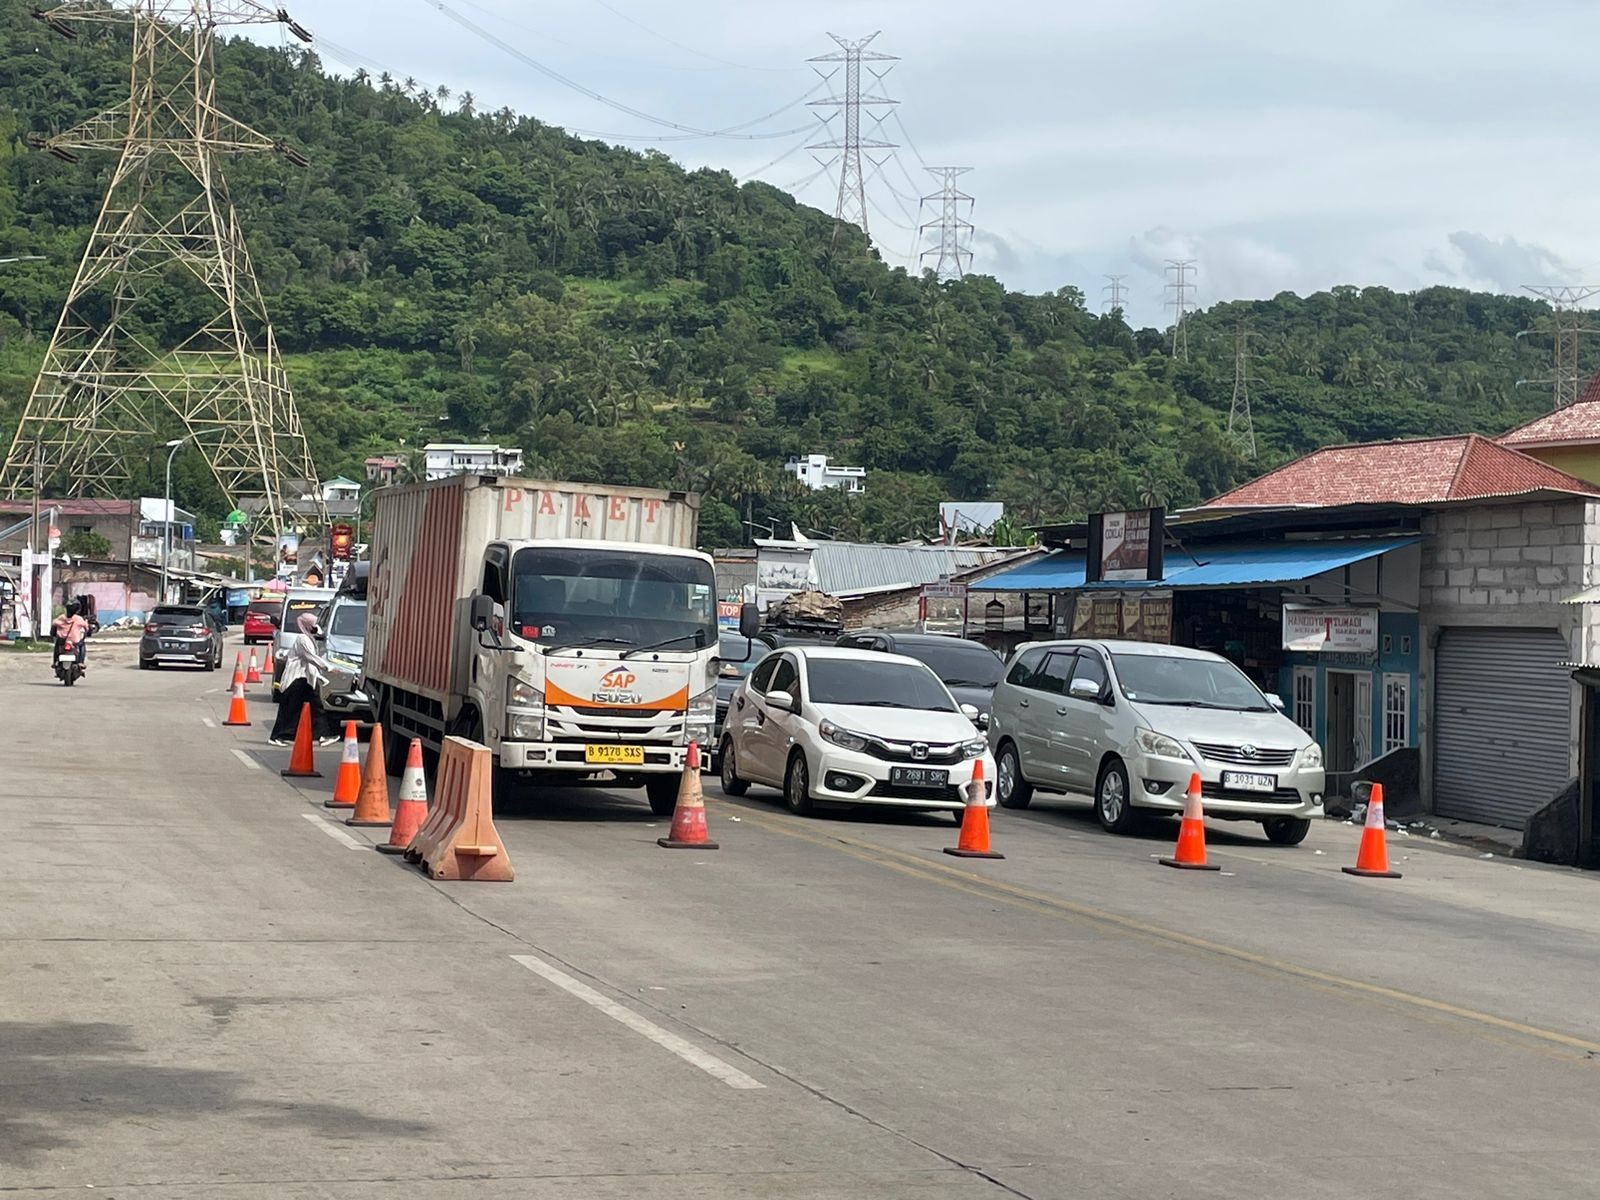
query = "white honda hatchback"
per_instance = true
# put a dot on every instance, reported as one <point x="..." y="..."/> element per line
<point x="834" y="726"/>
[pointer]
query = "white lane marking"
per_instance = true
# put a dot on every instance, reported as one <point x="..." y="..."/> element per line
<point x="666" y="1039"/>
<point x="208" y="722"/>
<point x="247" y="760"/>
<point x="337" y="835"/>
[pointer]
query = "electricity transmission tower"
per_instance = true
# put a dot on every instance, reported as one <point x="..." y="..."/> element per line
<point x="1114" y="286"/>
<point x="953" y="248"/>
<point x="1566" y="325"/>
<point x="164" y="320"/>
<point x="852" y="204"/>
<point x="1179" y="293"/>
<point x="1240" y="427"/>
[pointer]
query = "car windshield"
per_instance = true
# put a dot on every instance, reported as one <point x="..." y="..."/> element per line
<point x="266" y="608"/>
<point x="1187" y="682"/>
<point x="732" y="652"/>
<point x="875" y="684"/>
<point x="583" y="597"/>
<point x="349" y="620"/>
<point x="959" y="664"/>
<point x="177" y="616"/>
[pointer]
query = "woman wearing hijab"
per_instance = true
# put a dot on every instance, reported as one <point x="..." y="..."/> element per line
<point x="304" y="670"/>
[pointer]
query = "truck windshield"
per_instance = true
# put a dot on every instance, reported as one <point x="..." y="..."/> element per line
<point x="571" y="597"/>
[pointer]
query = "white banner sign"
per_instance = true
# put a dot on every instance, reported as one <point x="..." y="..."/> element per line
<point x="1330" y="629"/>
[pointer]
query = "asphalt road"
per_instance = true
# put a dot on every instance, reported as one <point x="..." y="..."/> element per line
<point x="209" y="989"/>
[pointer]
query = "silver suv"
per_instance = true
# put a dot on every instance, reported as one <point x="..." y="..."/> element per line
<point x="1130" y="722"/>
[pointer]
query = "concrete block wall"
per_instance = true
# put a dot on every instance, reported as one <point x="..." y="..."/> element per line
<point x="1507" y="565"/>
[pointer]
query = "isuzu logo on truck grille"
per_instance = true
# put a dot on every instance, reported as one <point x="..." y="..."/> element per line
<point x="616" y="687"/>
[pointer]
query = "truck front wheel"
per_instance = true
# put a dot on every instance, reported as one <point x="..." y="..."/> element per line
<point x="663" y="793"/>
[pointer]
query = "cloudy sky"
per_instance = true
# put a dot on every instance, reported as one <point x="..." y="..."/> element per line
<point x="1283" y="146"/>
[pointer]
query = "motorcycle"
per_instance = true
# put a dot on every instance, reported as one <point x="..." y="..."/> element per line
<point x="68" y="669"/>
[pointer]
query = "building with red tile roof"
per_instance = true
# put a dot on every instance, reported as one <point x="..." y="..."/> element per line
<point x="1421" y="471"/>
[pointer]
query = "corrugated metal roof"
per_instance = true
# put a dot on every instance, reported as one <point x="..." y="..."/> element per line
<point x="847" y="568"/>
<point x="1223" y="564"/>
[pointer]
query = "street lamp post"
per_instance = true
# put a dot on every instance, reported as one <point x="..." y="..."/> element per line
<point x="173" y="447"/>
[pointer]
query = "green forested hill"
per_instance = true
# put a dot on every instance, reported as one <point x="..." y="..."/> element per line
<point x="438" y="271"/>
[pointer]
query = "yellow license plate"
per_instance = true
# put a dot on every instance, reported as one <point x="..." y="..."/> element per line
<point x="625" y="756"/>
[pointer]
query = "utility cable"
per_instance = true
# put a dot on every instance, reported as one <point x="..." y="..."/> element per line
<point x="551" y="73"/>
<point x="656" y="33"/>
<point x="905" y="133"/>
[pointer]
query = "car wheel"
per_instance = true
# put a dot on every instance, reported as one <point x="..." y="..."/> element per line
<point x="1011" y="789"/>
<point x="663" y="793"/>
<point x="797" y="786"/>
<point x="728" y="771"/>
<point x="1286" y="831"/>
<point x="143" y="665"/>
<point x="1111" y="800"/>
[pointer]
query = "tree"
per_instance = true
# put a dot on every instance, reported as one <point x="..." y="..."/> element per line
<point x="85" y="543"/>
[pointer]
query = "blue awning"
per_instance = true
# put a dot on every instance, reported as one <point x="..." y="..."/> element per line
<point x="1218" y="565"/>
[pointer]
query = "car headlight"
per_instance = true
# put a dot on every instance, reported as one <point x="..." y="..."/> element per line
<point x="525" y="720"/>
<point x="1311" y="756"/>
<point x="1159" y="745"/>
<point x="974" y="748"/>
<point x="842" y="738"/>
<point x="701" y="715"/>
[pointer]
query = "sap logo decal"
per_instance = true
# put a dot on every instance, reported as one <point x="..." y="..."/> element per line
<point x="616" y="687"/>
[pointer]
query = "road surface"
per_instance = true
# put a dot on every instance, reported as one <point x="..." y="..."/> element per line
<point x="211" y="988"/>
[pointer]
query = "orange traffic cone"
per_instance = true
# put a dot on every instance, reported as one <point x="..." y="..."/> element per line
<point x="1372" y="859"/>
<point x="302" y="761"/>
<point x="372" y="804"/>
<point x="253" y="675"/>
<point x="238" y="667"/>
<point x="1191" y="851"/>
<point x="266" y="664"/>
<point x="974" y="839"/>
<point x="347" y="783"/>
<point x="236" y="710"/>
<point x="411" y="806"/>
<point x="689" y="830"/>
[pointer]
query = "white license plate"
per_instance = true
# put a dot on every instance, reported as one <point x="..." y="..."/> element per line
<point x="1248" y="781"/>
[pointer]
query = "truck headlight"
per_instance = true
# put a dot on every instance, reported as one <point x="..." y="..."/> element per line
<point x="1159" y="745"/>
<point x="525" y="711"/>
<point x="1311" y="756"/>
<point x="701" y="716"/>
<point x="840" y="737"/>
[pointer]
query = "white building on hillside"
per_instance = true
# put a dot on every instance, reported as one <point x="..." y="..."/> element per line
<point x="816" y="472"/>
<point x="444" y="459"/>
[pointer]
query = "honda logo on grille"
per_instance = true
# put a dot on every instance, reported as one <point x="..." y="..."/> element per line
<point x="919" y="749"/>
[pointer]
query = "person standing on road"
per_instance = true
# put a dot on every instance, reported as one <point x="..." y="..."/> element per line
<point x="304" y="671"/>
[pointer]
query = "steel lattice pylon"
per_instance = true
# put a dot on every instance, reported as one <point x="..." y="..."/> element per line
<point x="110" y="381"/>
<point x="851" y="208"/>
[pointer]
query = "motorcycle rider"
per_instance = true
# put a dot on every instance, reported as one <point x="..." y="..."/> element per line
<point x="71" y="632"/>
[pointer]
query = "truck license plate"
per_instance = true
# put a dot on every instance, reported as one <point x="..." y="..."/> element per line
<point x="1245" y="781"/>
<point x="622" y="756"/>
<point x="918" y="777"/>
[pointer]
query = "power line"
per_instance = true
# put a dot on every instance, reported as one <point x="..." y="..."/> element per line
<point x="905" y="133"/>
<point x="1179" y="293"/>
<point x="1114" y="286"/>
<point x="1241" y="428"/>
<point x="551" y="73"/>
<point x="953" y="250"/>
<point x="851" y="207"/>
<point x="655" y="33"/>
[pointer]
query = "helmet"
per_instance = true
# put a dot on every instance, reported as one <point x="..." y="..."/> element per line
<point x="72" y="608"/>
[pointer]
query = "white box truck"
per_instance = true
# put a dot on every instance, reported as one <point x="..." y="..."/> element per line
<point x="569" y="627"/>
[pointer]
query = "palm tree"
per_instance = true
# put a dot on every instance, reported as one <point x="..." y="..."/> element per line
<point x="441" y="93"/>
<point x="467" y="104"/>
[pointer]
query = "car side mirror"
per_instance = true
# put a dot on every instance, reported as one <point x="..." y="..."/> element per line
<point x="787" y="701"/>
<point x="482" y="612"/>
<point x="1084" y="689"/>
<point x="982" y="722"/>
<point x="1275" y="700"/>
<point x="970" y="712"/>
<point x="749" y="620"/>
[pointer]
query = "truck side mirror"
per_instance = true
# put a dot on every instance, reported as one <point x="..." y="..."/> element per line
<point x="482" y="612"/>
<point x="749" y="620"/>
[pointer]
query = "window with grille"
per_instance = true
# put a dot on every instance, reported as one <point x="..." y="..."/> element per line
<point x="1396" y="712"/>
<point x="1305" y="698"/>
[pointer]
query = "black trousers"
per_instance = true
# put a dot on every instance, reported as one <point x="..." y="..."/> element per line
<point x="290" y="701"/>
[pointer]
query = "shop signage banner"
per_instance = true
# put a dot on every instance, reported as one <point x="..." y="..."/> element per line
<point x="1125" y="545"/>
<point x="727" y="614"/>
<point x="1135" y="616"/>
<point x="1320" y="630"/>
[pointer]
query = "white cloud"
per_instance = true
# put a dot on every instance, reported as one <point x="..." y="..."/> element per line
<point x="1507" y="265"/>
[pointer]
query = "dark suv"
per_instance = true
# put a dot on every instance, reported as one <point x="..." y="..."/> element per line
<point x="181" y="635"/>
<point x="968" y="669"/>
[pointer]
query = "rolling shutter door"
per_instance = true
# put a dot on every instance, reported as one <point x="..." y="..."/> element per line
<point x="1502" y="716"/>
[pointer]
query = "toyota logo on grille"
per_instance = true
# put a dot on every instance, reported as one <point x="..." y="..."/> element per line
<point x="1247" y="751"/>
<point x="919" y="749"/>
